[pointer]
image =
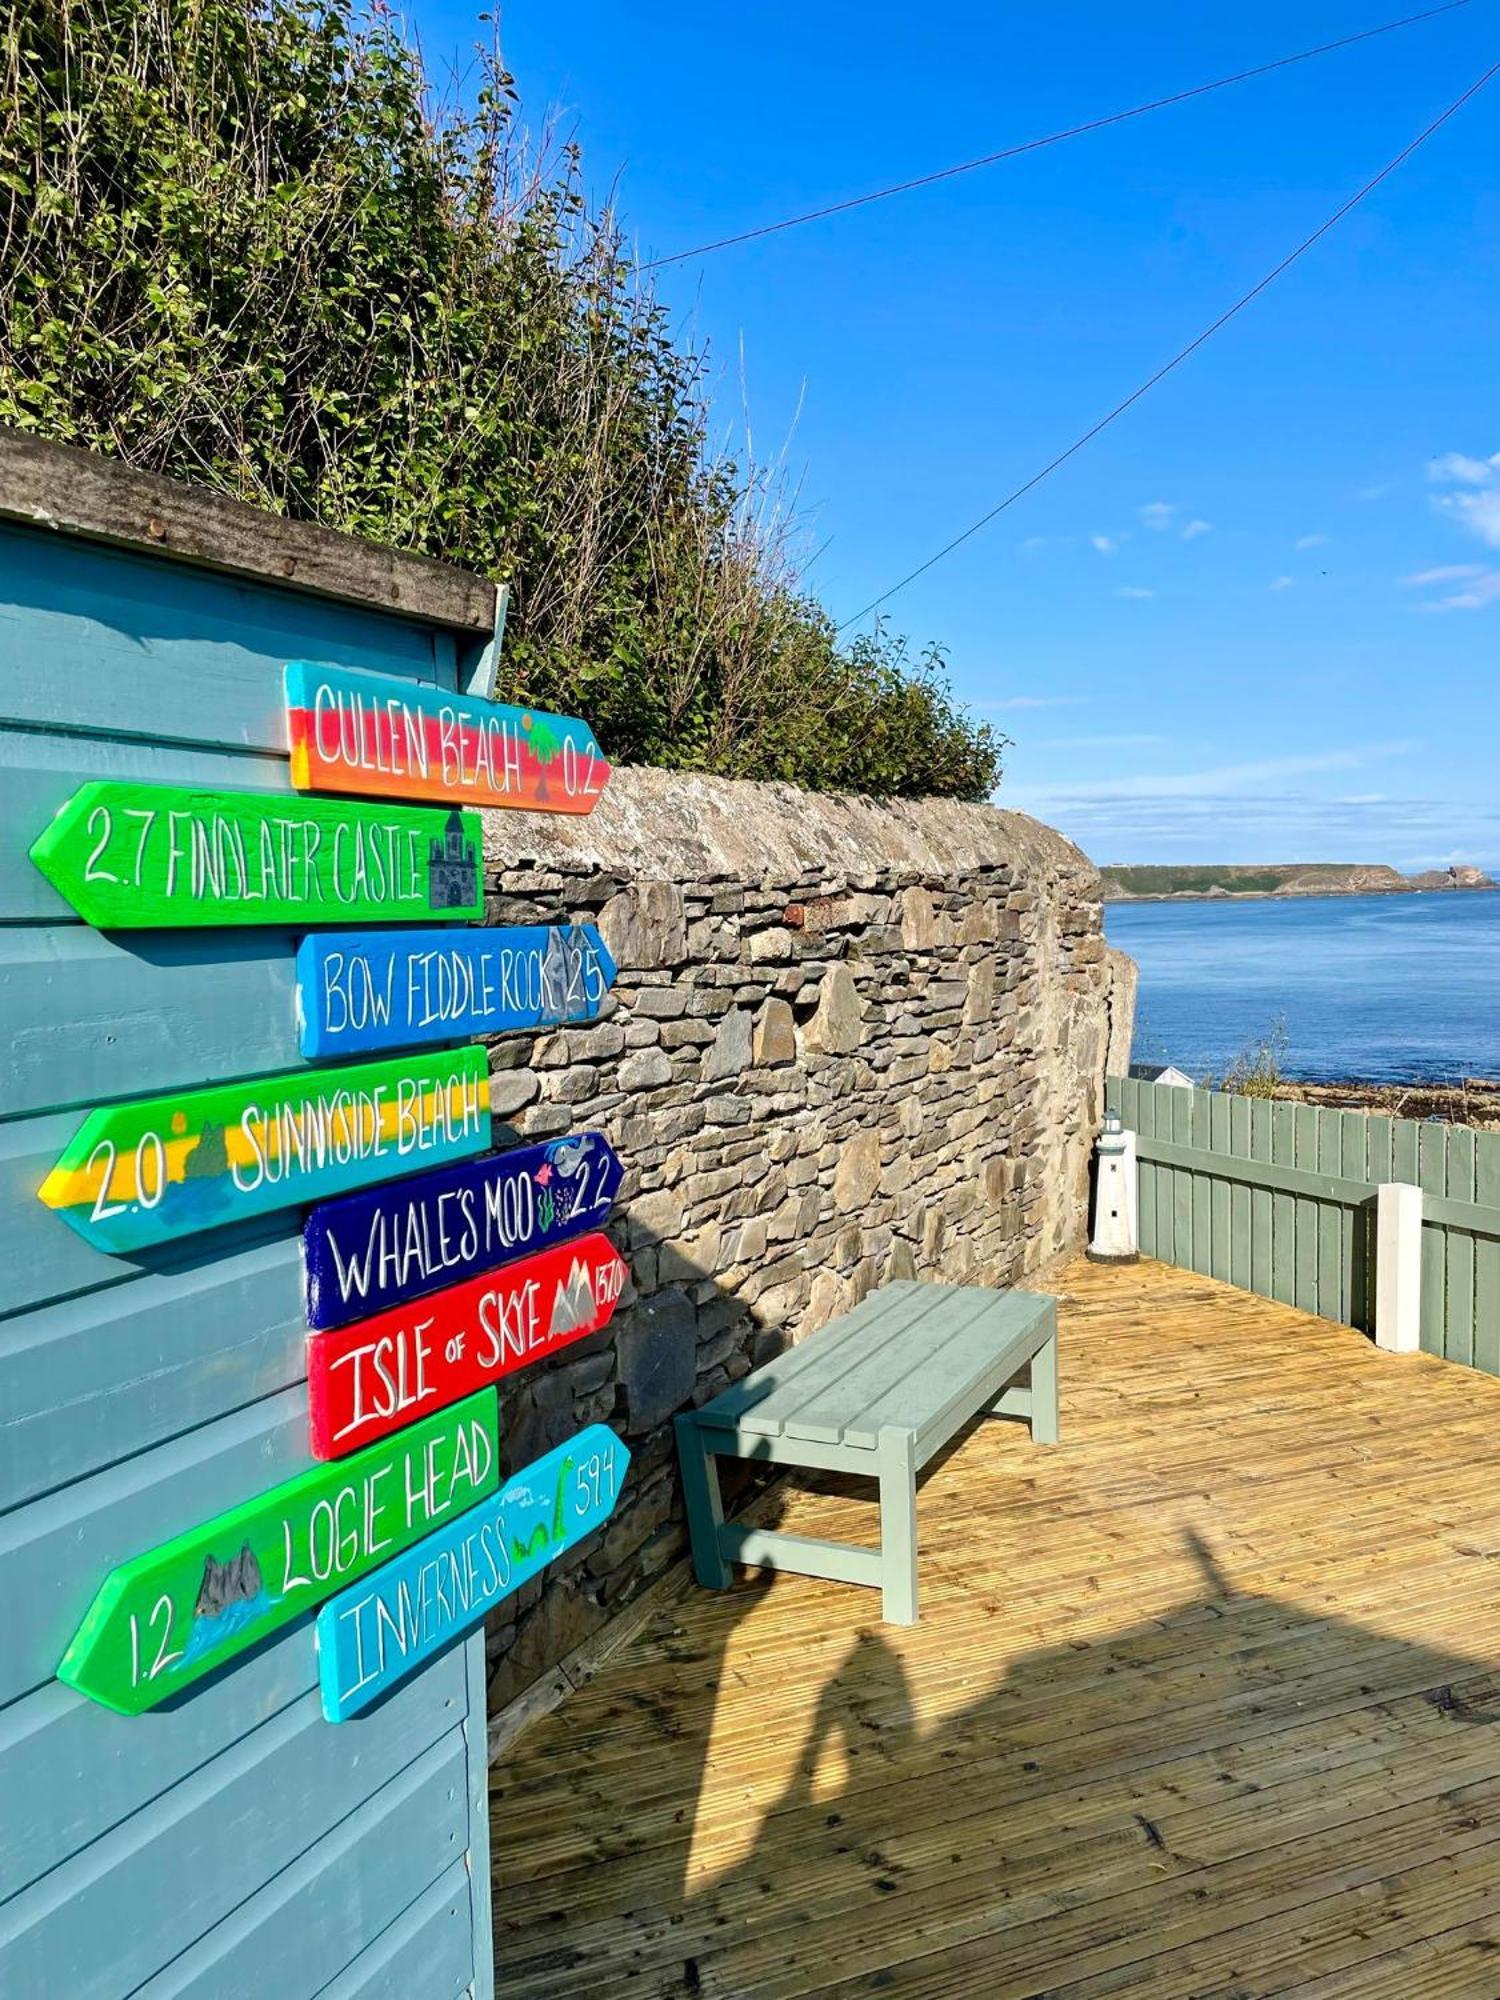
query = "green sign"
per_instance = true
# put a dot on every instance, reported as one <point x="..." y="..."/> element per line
<point x="136" y="857"/>
<point x="163" y="1620"/>
<point x="134" y="1174"/>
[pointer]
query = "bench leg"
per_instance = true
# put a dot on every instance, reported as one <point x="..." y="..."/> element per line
<point x="897" y="1459"/>
<point x="1046" y="1424"/>
<point x="705" y="1505"/>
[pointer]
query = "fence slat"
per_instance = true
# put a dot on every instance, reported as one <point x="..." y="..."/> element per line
<point x="1182" y="1183"/>
<point x="1356" y="1130"/>
<point x="1218" y="1191"/>
<point x="1432" y="1177"/>
<point x="1283" y="1207"/>
<point x="1262" y="1263"/>
<point x="1240" y="1196"/>
<point x="1487" y="1256"/>
<point x="1328" y="1158"/>
<point x="1458" y="1295"/>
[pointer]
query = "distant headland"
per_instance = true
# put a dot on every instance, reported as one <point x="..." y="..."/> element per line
<point x="1207" y="882"/>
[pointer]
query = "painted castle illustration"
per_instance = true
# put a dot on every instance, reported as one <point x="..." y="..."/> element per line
<point x="452" y="868"/>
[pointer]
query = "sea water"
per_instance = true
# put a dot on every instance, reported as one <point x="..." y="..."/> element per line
<point x="1376" y="988"/>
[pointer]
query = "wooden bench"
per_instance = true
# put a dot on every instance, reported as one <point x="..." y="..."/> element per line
<point x="879" y="1391"/>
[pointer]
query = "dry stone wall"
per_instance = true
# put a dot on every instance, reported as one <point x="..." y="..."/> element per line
<point x="848" y="1042"/>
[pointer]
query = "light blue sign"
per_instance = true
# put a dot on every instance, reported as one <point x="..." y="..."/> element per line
<point x="371" y="1636"/>
<point x="364" y="990"/>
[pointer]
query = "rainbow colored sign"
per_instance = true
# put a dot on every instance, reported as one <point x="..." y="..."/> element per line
<point x="141" y="1173"/>
<point x="165" y="1619"/>
<point x="136" y="857"/>
<point x="366" y="1380"/>
<point x="363" y="990"/>
<point x="378" y="735"/>
<point x="372" y="1251"/>
<point x="373" y="1635"/>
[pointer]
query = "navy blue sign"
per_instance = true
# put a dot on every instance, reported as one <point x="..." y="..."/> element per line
<point x="366" y="1252"/>
<point x="364" y="990"/>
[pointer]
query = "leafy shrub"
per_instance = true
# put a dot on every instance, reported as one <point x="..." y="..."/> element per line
<point x="241" y="247"/>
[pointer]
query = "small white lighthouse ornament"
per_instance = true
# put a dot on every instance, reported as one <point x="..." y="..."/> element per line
<point x="1114" y="1240"/>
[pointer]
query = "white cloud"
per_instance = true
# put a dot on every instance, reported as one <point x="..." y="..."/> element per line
<point x="1015" y="701"/>
<point x="1193" y="529"/>
<point x="1035" y="544"/>
<point x="1457" y="468"/>
<point x="1157" y="514"/>
<point x="1376" y="492"/>
<point x="1444" y="573"/>
<point x="1225" y="778"/>
<point x="1309" y="542"/>
<point x="1282" y="582"/>
<point x="1482" y="588"/>
<point x="1478" y="512"/>
<point x="1133" y="590"/>
<point x="1106" y="544"/>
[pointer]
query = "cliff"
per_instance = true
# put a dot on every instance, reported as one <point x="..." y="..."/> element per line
<point x="1210" y="881"/>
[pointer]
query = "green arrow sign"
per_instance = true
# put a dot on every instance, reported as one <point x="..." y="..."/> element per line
<point x="135" y="857"/>
<point x="141" y="1173"/>
<point x="163" y="1620"/>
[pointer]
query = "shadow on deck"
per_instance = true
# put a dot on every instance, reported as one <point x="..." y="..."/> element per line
<point x="1204" y="1702"/>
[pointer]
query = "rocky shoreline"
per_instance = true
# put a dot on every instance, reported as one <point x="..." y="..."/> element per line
<point x="1471" y="1101"/>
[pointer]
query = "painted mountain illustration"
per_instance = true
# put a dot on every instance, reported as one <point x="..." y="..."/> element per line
<point x="574" y="1305"/>
<point x="228" y="1583"/>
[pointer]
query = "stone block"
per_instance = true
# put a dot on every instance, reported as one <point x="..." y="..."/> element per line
<point x="837" y="1024"/>
<point x="730" y="1052"/>
<point x="645" y="926"/>
<point x="775" y="1039"/>
<point x="646" y="1069"/>
<point x="658" y="1359"/>
<point x="856" y="1176"/>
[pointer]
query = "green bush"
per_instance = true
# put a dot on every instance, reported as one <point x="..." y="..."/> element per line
<point x="242" y="248"/>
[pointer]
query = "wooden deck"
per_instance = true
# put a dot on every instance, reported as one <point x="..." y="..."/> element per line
<point x="1204" y="1702"/>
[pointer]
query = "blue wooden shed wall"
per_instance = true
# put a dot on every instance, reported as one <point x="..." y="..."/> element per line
<point x="233" y="1844"/>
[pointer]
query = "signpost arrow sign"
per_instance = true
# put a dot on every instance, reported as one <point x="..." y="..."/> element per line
<point x="372" y="1251"/>
<point x="366" y="1380"/>
<point x="135" y="857"/>
<point x="371" y="1636"/>
<point x="162" y="1167"/>
<point x="364" y="990"/>
<point x="163" y="1620"/>
<point x="380" y="736"/>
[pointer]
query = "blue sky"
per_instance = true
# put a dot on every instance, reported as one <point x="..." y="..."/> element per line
<point x="1258" y="619"/>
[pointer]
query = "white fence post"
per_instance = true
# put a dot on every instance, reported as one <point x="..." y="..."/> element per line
<point x="1398" y="1267"/>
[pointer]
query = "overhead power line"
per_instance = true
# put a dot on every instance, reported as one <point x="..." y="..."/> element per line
<point x="1053" y="138"/>
<point x="1192" y="347"/>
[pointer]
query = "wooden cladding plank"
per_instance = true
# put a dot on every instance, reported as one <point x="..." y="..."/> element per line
<point x="372" y="1636"/>
<point x="52" y="1730"/>
<point x="395" y="989"/>
<point x="80" y="1011"/>
<point x="315" y="1919"/>
<point x="375" y="735"/>
<point x="161" y="1168"/>
<point x="101" y="1923"/>
<point x="165" y="1618"/>
<point x="366" y="1380"/>
<point x="429" y="1949"/>
<point x="142" y="857"/>
<point x="88" y="1381"/>
<point x="89" y="498"/>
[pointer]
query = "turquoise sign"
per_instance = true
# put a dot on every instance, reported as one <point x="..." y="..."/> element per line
<point x="371" y="1636"/>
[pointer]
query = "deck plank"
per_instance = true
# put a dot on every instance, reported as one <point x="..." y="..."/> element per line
<point x="1203" y="1700"/>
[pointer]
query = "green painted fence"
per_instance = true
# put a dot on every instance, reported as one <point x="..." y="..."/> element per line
<point x="1280" y="1199"/>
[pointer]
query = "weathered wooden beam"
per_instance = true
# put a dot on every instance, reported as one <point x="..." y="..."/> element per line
<point x="79" y="493"/>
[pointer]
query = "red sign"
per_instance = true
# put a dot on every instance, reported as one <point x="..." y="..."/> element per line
<point x="366" y="1380"/>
